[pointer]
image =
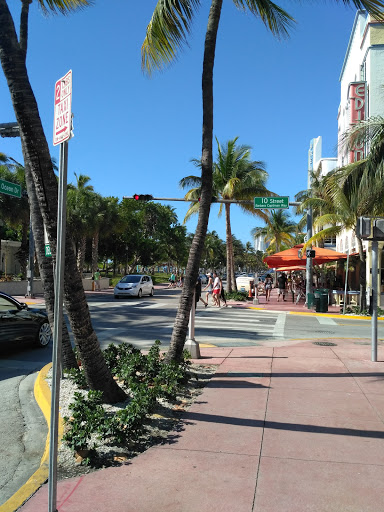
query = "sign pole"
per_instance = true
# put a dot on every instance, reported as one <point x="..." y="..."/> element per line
<point x="57" y="329"/>
<point x="375" y="248"/>
<point x="61" y="134"/>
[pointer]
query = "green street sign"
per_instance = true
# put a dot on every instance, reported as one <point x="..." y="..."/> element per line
<point x="48" y="253"/>
<point x="11" y="189"/>
<point x="271" y="203"/>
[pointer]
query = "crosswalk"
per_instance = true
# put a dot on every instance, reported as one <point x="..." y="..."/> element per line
<point x="213" y="326"/>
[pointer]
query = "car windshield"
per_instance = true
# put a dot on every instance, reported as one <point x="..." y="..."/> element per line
<point x="130" y="279"/>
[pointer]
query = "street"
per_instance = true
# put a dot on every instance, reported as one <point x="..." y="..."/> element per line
<point x="141" y="322"/>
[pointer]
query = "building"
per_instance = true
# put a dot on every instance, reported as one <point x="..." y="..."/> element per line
<point x="361" y="96"/>
<point x="9" y="264"/>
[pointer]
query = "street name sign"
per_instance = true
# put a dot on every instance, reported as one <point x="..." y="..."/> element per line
<point x="62" y="123"/>
<point x="11" y="189"/>
<point x="271" y="203"/>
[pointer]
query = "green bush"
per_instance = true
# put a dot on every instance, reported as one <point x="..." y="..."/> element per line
<point x="238" y="296"/>
<point x="148" y="378"/>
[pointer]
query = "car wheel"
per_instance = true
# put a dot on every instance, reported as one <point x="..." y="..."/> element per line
<point x="152" y="292"/>
<point x="44" y="335"/>
<point x="140" y="293"/>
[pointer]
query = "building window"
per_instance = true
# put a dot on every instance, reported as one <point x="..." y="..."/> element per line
<point x="330" y="240"/>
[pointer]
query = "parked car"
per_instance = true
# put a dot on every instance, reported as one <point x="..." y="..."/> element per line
<point x="134" y="285"/>
<point x="19" y="323"/>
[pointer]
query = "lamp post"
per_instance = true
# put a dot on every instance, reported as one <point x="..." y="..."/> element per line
<point x="309" y="264"/>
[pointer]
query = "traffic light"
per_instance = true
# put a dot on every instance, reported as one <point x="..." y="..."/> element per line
<point x="142" y="197"/>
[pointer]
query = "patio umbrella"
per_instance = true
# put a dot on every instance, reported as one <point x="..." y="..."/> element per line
<point x="290" y="268"/>
<point x="291" y="257"/>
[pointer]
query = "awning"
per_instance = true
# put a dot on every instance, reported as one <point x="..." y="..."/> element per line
<point x="290" y="257"/>
<point x="290" y="268"/>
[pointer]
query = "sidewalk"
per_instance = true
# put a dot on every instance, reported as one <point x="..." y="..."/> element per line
<point x="289" y="428"/>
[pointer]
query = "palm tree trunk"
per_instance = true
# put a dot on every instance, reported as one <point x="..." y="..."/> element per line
<point x="95" y="251"/>
<point x="81" y="254"/>
<point x="37" y="157"/>
<point x="362" y="276"/>
<point x="182" y="317"/>
<point x="46" y="274"/>
<point x="231" y="280"/>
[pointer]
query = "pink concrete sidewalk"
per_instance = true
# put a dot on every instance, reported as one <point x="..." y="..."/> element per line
<point x="295" y="428"/>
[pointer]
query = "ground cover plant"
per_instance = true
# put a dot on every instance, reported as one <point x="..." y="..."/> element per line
<point x="99" y="434"/>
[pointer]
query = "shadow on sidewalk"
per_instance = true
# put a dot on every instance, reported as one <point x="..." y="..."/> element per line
<point x="275" y="425"/>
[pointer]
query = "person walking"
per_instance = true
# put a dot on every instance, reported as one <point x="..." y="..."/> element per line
<point x="172" y="281"/>
<point x="96" y="278"/>
<point x="198" y="293"/>
<point x="216" y="290"/>
<point x="300" y="289"/>
<point x="209" y="287"/>
<point x="268" y="287"/>
<point x="222" y="293"/>
<point x="281" y="283"/>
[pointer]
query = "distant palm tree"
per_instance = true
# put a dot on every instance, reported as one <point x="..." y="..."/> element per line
<point x="235" y="177"/>
<point x="279" y="231"/>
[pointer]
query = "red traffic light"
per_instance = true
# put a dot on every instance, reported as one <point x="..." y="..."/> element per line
<point x="142" y="197"/>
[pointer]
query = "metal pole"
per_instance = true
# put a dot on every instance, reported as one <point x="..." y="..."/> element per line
<point x="191" y="344"/>
<point x="346" y="283"/>
<point x="30" y="261"/>
<point x="309" y="265"/>
<point x="374" y="298"/>
<point x="57" y="329"/>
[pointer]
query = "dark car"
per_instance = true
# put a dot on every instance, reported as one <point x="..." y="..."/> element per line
<point x="19" y="324"/>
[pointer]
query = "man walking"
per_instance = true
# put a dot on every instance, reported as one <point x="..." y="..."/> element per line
<point x="281" y="283"/>
<point x="96" y="277"/>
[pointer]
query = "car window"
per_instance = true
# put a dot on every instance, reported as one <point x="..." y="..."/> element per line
<point x="6" y="304"/>
<point x="131" y="279"/>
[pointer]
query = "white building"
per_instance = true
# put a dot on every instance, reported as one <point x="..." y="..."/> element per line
<point x="361" y="97"/>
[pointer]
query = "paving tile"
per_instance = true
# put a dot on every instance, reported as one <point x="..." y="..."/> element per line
<point x="306" y="351"/>
<point x="324" y="439"/>
<point x="310" y="486"/>
<point x="309" y="364"/>
<point x="330" y="404"/>
<point x="162" y="480"/>
<point x="315" y="381"/>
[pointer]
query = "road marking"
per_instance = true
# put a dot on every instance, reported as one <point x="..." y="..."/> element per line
<point x="278" y="330"/>
<point x="326" y="320"/>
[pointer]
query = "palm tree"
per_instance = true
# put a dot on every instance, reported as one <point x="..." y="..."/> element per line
<point x="166" y="33"/>
<point x="235" y="177"/>
<point x="42" y="188"/>
<point x="279" y="231"/>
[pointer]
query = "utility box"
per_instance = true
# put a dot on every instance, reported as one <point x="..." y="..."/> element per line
<point x="378" y="229"/>
<point x="364" y="228"/>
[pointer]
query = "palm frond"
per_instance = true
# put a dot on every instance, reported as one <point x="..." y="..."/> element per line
<point x="274" y="17"/>
<point x="167" y="32"/>
<point x="192" y="210"/>
<point x="322" y="235"/>
<point x="63" y="6"/>
<point x="190" y="181"/>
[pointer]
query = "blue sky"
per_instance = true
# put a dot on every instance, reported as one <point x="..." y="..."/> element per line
<point x="137" y="135"/>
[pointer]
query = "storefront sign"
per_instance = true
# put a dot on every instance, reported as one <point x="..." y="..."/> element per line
<point x="357" y="100"/>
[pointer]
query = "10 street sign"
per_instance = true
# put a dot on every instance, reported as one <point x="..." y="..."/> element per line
<point x="271" y="203"/>
<point x="11" y="189"/>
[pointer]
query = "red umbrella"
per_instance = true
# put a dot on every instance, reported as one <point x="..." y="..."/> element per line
<point x="291" y="257"/>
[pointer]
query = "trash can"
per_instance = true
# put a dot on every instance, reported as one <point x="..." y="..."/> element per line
<point x="310" y="300"/>
<point x="322" y="303"/>
<point x="316" y="300"/>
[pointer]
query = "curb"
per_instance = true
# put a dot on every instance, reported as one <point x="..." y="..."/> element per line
<point x="42" y="394"/>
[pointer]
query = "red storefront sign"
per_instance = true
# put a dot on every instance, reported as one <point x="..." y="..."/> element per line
<point x="357" y="99"/>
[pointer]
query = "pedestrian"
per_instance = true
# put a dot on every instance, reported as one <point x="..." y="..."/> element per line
<point x="300" y="289"/>
<point x="96" y="279"/>
<point x="281" y="283"/>
<point x="209" y="287"/>
<point x="268" y="287"/>
<point x="172" y="281"/>
<point x="198" y="293"/>
<point x="216" y="289"/>
<point x="222" y="293"/>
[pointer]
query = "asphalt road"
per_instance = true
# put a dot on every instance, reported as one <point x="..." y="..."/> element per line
<point x="140" y="322"/>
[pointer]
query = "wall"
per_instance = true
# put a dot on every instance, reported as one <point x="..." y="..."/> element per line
<point x="19" y="288"/>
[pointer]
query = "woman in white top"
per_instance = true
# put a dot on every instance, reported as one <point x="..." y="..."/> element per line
<point x="216" y="290"/>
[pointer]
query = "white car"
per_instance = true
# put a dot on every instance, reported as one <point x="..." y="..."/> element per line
<point x="134" y="285"/>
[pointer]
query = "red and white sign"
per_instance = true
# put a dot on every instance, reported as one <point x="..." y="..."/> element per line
<point x="357" y="98"/>
<point x="63" y="109"/>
